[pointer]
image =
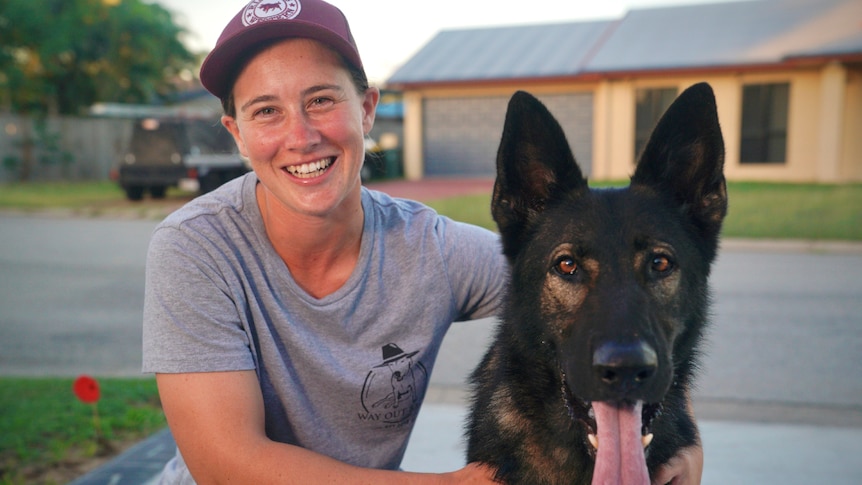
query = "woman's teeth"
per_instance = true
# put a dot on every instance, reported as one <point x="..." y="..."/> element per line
<point x="309" y="170"/>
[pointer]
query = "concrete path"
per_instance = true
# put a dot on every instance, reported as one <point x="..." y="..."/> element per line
<point x="736" y="453"/>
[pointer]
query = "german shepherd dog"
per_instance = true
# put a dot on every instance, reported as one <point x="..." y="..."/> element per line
<point x="588" y="376"/>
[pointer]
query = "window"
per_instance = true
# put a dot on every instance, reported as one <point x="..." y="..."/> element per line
<point x="650" y="105"/>
<point x="764" y="123"/>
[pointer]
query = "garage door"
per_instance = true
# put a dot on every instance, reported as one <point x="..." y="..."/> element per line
<point x="462" y="134"/>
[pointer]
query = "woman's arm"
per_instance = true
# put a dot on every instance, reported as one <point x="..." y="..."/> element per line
<point x="217" y="420"/>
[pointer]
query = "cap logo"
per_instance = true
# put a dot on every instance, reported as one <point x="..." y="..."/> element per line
<point x="263" y="10"/>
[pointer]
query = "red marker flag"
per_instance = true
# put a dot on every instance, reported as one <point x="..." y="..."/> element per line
<point x="87" y="389"/>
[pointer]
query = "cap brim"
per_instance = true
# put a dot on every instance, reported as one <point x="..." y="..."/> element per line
<point x="219" y="68"/>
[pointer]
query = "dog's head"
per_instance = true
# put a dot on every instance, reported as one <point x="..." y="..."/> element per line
<point x="616" y="276"/>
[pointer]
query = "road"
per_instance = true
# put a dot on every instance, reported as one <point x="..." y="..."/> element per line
<point x="71" y="295"/>
<point x="785" y="343"/>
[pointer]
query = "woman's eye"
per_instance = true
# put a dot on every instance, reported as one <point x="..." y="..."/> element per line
<point x="566" y="266"/>
<point x="661" y="264"/>
<point x="320" y="101"/>
<point x="266" y="111"/>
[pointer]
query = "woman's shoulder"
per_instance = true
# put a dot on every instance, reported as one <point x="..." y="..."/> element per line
<point x="383" y="201"/>
<point x="225" y="214"/>
<point x="229" y="201"/>
<point x="416" y="217"/>
<point x="385" y="212"/>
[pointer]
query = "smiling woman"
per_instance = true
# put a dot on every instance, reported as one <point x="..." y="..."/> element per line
<point x="263" y="298"/>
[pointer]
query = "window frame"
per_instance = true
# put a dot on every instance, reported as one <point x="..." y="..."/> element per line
<point x="650" y="105"/>
<point x="764" y="123"/>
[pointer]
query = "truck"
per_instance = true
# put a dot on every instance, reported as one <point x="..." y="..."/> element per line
<point x="170" y="151"/>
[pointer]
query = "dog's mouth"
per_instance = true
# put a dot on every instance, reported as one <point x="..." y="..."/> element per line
<point x="647" y="413"/>
<point x="618" y="436"/>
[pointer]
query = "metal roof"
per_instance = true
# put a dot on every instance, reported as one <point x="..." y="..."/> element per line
<point x="502" y="52"/>
<point x="680" y="37"/>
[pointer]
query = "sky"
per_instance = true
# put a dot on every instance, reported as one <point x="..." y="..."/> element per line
<point x="389" y="32"/>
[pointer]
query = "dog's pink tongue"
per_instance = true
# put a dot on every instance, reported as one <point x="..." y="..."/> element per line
<point x="620" y="458"/>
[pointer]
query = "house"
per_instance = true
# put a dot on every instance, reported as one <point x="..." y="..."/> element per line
<point x="787" y="75"/>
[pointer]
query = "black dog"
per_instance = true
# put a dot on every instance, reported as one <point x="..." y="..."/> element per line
<point x="588" y="376"/>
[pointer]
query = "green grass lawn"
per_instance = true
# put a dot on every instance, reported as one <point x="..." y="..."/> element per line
<point x="791" y="211"/>
<point x="757" y="210"/>
<point x="32" y="196"/>
<point x="45" y="426"/>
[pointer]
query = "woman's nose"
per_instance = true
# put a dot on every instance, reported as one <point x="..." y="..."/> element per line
<point x="301" y="133"/>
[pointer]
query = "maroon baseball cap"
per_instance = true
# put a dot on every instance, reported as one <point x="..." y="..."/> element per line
<point x="267" y="20"/>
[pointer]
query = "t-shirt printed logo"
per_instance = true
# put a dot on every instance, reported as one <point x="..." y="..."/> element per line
<point x="391" y="394"/>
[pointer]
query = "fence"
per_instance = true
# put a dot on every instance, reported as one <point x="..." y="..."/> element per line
<point x="61" y="147"/>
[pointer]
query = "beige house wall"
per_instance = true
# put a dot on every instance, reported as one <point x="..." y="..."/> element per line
<point x="414" y="166"/>
<point x="824" y="124"/>
<point x="851" y="147"/>
<point x="824" y="121"/>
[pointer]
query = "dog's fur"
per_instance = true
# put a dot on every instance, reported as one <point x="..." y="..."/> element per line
<point x="607" y="301"/>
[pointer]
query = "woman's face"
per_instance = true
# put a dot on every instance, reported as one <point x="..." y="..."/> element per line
<point x="302" y="124"/>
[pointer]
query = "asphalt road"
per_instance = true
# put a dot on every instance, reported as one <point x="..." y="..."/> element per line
<point x="71" y="295"/>
<point x="785" y="343"/>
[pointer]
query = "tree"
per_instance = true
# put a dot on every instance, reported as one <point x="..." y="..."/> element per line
<point x="61" y="56"/>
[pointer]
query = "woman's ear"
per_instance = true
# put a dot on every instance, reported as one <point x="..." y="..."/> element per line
<point x="229" y="122"/>
<point x="369" y="107"/>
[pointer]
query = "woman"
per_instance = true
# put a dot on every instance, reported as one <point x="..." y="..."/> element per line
<point x="292" y="317"/>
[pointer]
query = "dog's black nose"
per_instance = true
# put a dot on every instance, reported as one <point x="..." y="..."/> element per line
<point x="623" y="368"/>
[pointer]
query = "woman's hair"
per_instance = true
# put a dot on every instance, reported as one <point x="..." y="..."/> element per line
<point x="357" y="75"/>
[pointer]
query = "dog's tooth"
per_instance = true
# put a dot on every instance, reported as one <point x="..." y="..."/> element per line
<point x="647" y="439"/>
<point x="594" y="440"/>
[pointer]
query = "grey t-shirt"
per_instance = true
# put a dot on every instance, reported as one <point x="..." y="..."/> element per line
<point x="343" y="375"/>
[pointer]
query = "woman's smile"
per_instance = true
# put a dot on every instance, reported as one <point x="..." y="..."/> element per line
<point x="310" y="170"/>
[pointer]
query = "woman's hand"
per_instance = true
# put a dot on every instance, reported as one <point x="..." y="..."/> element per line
<point x="685" y="468"/>
<point x="473" y="473"/>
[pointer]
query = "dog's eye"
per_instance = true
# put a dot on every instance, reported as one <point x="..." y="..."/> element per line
<point x="566" y="266"/>
<point x="662" y="264"/>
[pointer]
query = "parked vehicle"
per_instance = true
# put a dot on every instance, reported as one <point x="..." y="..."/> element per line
<point x="167" y="152"/>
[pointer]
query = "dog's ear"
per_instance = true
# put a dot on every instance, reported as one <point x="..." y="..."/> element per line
<point x="534" y="164"/>
<point x="685" y="157"/>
